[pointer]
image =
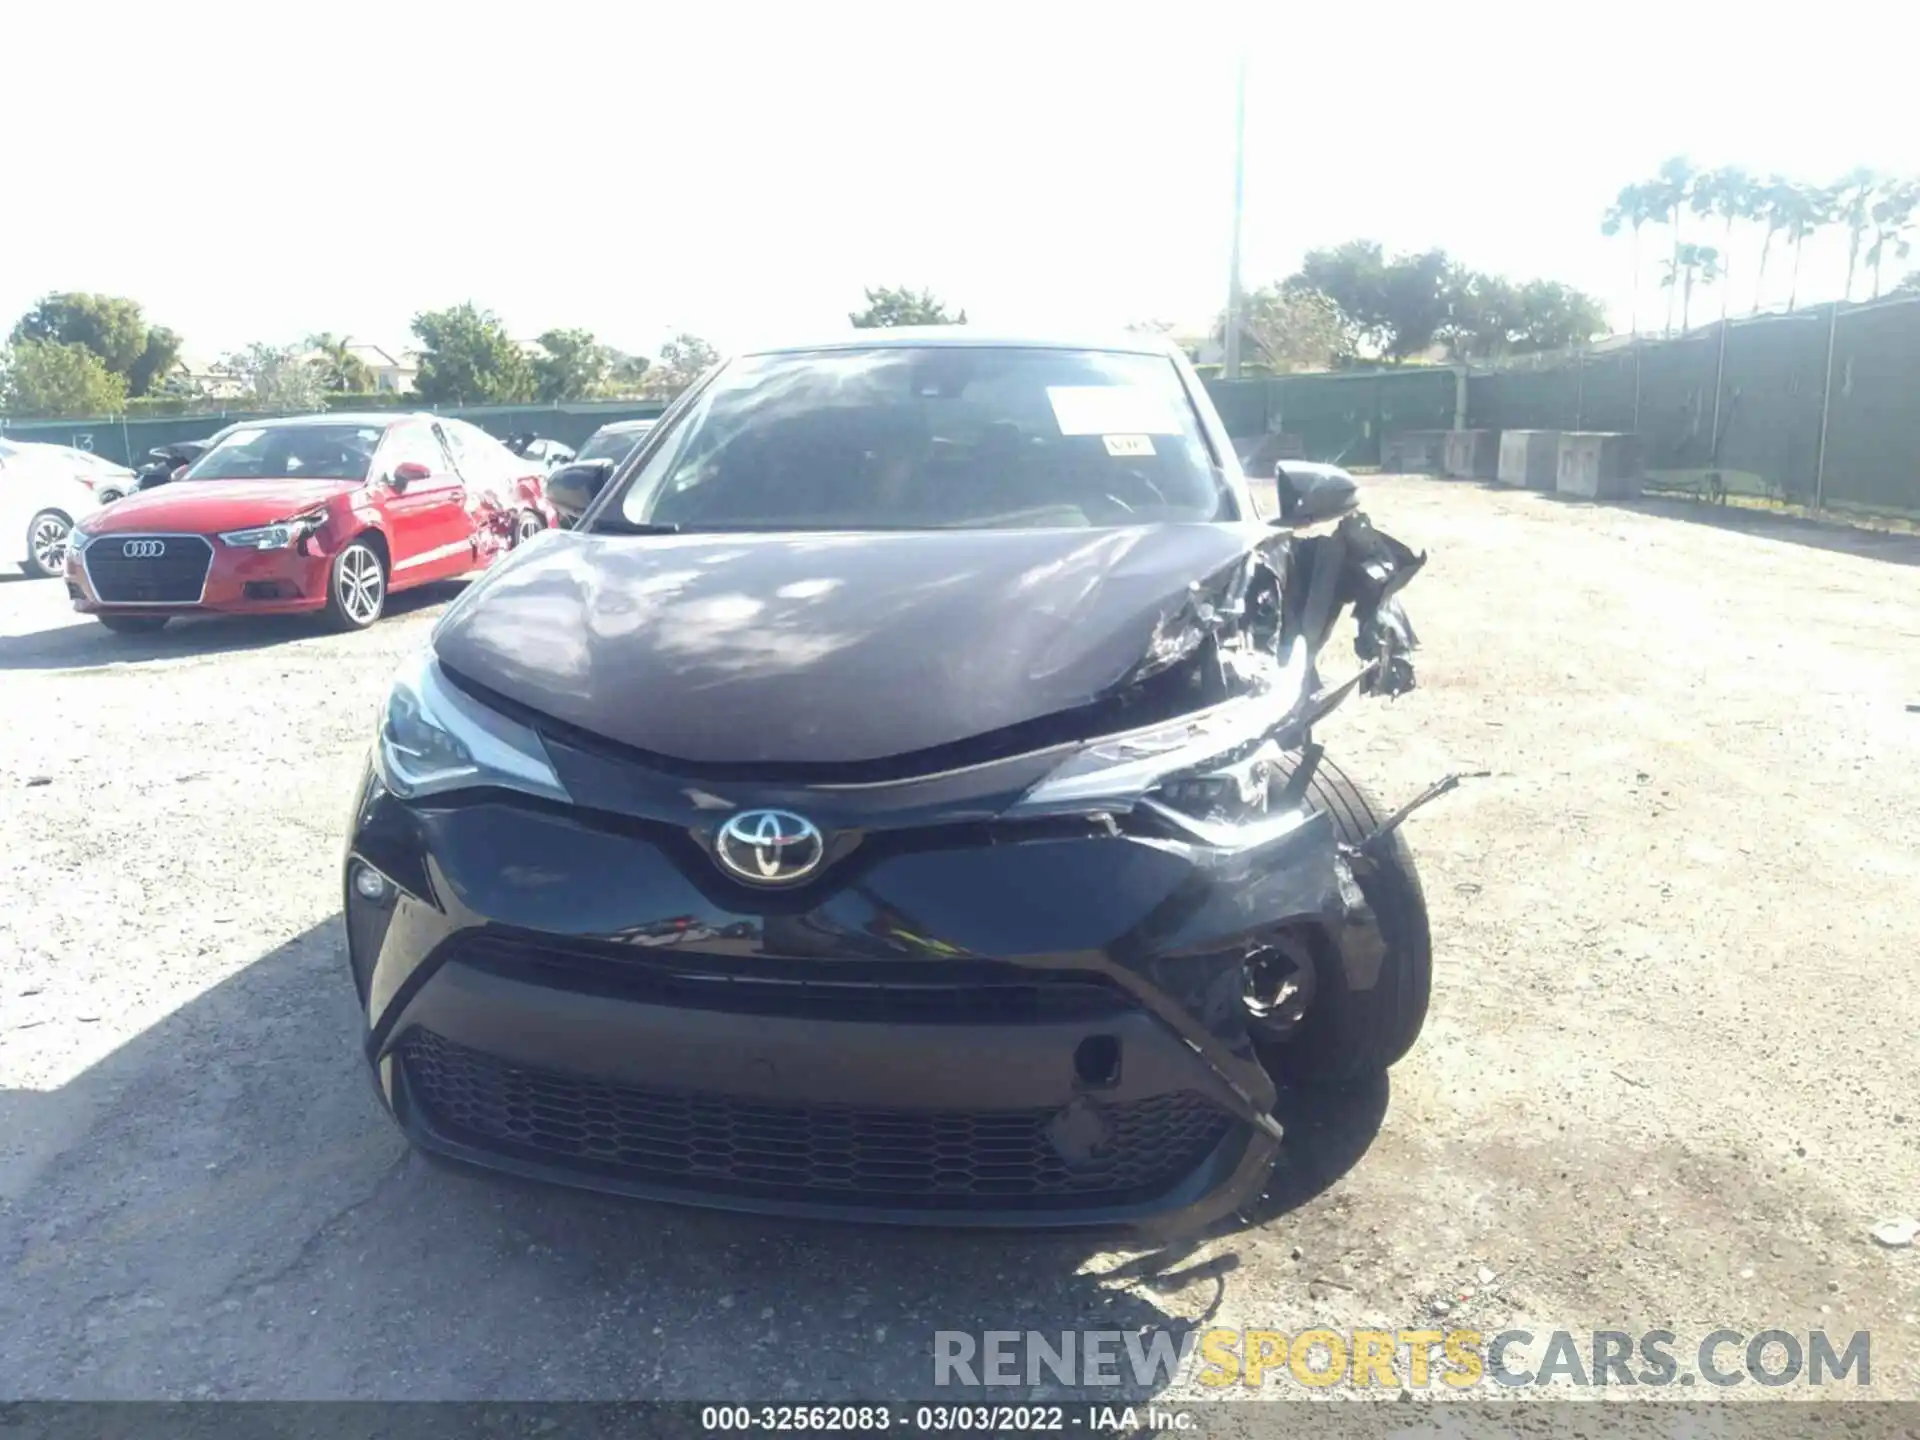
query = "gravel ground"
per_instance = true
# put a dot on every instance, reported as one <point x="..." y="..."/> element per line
<point x="1668" y="1078"/>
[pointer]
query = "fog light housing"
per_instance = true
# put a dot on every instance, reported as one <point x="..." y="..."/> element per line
<point x="370" y="885"/>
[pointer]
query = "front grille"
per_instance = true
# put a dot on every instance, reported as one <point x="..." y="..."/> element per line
<point x="894" y="1158"/>
<point x="898" y="990"/>
<point x="176" y="576"/>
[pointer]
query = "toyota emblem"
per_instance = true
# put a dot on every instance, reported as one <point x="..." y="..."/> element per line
<point x="144" y="549"/>
<point x="769" y="847"/>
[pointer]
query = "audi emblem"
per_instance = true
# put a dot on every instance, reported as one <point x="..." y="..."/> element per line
<point x="769" y="847"/>
<point x="144" y="549"/>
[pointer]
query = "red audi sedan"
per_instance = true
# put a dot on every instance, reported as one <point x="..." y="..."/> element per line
<point x="329" y="513"/>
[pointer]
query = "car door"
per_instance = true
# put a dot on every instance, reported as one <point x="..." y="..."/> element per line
<point x="495" y="478"/>
<point x="427" y="518"/>
<point x="29" y="485"/>
<point x="13" y="506"/>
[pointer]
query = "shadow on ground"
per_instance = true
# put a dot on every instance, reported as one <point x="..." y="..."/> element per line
<point x="219" y="1208"/>
<point x="87" y="645"/>
<point x="1837" y="536"/>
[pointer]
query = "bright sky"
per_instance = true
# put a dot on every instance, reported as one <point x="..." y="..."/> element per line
<point x="262" y="171"/>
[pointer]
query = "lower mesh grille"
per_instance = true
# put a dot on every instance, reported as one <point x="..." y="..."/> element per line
<point x="720" y="1143"/>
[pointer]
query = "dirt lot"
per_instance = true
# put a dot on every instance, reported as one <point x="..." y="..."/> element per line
<point x="1668" y="1080"/>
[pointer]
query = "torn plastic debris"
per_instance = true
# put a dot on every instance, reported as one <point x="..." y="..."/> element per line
<point x="1370" y="846"/>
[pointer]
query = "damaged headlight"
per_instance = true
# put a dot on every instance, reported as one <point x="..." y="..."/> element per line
<point x="1210" y="773"/>
<point x="278" y="536"/>
<point x="435" y="739"/>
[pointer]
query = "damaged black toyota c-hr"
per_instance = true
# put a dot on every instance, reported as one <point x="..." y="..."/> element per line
<point x="897" y="797"/>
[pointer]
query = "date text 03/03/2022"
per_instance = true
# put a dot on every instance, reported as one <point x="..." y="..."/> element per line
<point x="943" y="1418"/>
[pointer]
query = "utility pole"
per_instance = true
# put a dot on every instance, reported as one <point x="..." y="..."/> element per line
<point x="1231" y="369"/>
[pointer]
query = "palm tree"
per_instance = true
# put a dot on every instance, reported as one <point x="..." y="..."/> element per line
<point x="1773" y="207"/>
<point x="1892" y="217"/>
<point x="1853" y="207"/>
<point x="344" y="372"/>
<point x="1695" y="264"/>
<point x="1730" y="193"/>
<point x="1667" y="192"/>
<point x="1633" y="207"/>
<point x="1807" y="209"/>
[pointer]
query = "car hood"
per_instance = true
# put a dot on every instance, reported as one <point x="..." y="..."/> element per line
<point x="203" y="507"/>
<point x="822" y="649"/>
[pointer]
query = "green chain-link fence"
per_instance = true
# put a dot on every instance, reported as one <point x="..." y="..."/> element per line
<point x="1339" y="416"/>
<point x="1774" y="403"/>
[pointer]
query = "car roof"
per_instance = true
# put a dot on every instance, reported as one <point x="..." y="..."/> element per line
<point x="381" y="418"/>
<point x="968" y="336"/>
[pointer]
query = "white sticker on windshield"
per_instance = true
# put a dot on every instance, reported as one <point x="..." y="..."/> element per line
<point x="1112" y="410"/>
<point x="1129" y="444"/>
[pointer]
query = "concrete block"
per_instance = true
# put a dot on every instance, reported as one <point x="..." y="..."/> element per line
<point x="1472" y="454"/>
<point x="1530" y="458"/>
<point x="1600" y="465"/>
<point x="1415" y="452"/>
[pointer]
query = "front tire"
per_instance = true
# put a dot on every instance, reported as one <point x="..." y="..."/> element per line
<point x="47" y="536"/>
<point x="133" y="624"/>
<point x="1345" y="1036"/>
<point x="526" y="525"/>
<point x="356" y="587"/>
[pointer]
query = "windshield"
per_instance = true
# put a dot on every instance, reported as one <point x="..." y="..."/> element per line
<point x="614" y="445"/>
<point x="286" y="452"/>
<point x="943" y="437"/>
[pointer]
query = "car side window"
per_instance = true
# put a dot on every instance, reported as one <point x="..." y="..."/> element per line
<point x="456" y="456"/>
<point x="415" y="444"/>
<point x="486" y="463"/>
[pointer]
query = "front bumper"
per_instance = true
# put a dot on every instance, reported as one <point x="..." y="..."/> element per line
<point x="235" y="581"/>
<point x="1031" y="1030"/>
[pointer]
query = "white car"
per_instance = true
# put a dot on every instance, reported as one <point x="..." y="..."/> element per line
<point x="108" y="481"/>
<point x="43" y="491"/>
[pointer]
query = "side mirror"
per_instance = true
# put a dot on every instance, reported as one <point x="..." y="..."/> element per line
<point x="1311" y="493"/>
<point x="407" y="472"/>
<point x="572" y="488"/>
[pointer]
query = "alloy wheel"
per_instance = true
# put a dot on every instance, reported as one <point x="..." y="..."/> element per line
<point x="48" y="543"/>
<point x="360" y="584"/>
<point x="528" y="526"/>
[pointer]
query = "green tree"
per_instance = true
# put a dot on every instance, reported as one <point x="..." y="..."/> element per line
<point x="114" y="329"/>
<point x="1289" y="329"/>
<point x="1909" y="284"/>
<point x="888" y="307"/>
<point x="341" y="371"/>
<point x="281" y="378"/>
<point x="1805" y="209"/>
<point x="1773" y="208"/>
<point x="626" y="374"/>
<point x="1853" y="199"/>
<point x="1493" y="316"/>
<point x="57" y="381"/>
<point x="1730" y="194"/>
<point x="1396" y="306"/>
<point x="1632" y="209"/>
<point x="683" y="360"/>
<point x="573" y="366"/>
<point x="467" y="358"/>
<point x="1694" y="265"/>
<point x="1669" y="190"/>
<point x="1891" y="218"/>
